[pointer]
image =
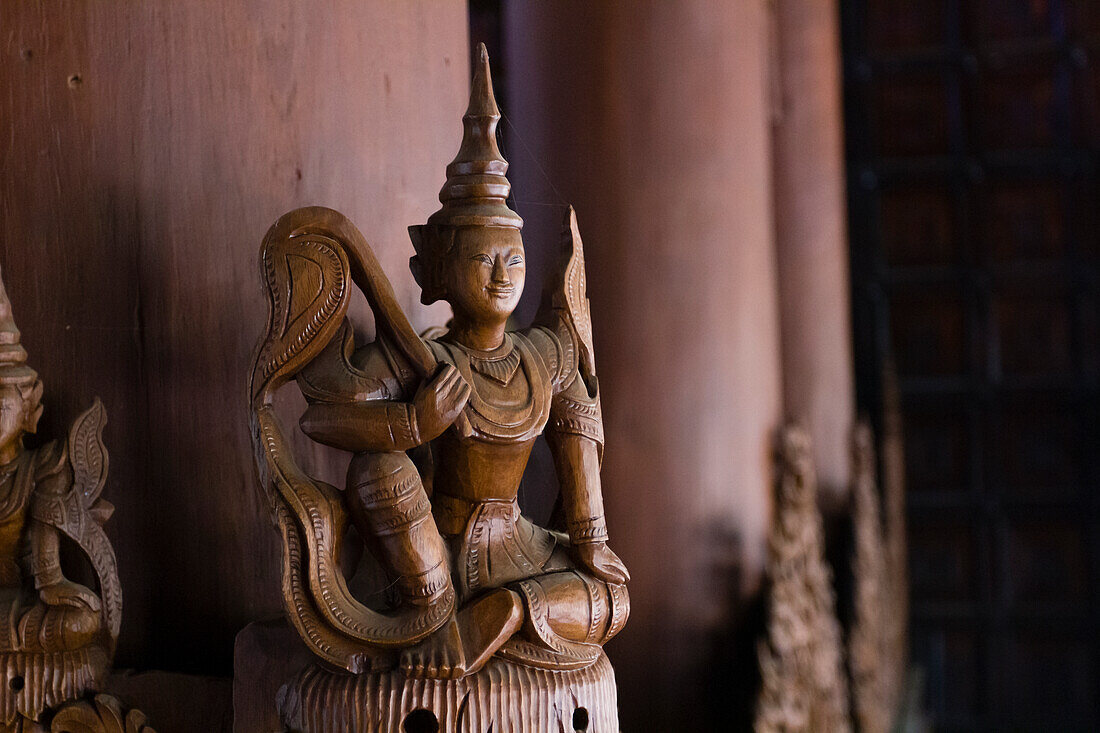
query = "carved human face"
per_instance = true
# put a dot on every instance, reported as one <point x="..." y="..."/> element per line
<point x="485" y="273"/>
<point x="13" y="416"/>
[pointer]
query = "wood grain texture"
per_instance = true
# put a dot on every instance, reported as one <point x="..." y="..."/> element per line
<point x="48" y="679"/>
<point x="501" y="698"/>
<point x="147" y="148"/>
<point x="812" y="238"/>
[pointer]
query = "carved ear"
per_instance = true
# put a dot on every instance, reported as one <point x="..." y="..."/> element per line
<point x="425" y="265"/>
<point x="30" y="425"/>
<point x="419" y="239"/>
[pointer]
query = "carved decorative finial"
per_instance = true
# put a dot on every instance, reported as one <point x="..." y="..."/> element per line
<point x="13" y="357"/>
<point x="476" y="189"/>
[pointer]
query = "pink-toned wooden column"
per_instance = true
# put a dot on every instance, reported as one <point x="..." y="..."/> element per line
<point x="811" y="236"/>
<point x="653" y="119"/>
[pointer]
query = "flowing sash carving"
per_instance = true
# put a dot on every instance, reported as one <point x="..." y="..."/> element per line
<point x="310" y="258"/>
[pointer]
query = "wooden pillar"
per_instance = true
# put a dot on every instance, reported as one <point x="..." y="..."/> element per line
<point x="653" y="119"/>
<point x="148" y="147"/>
<point x="811" y="236"/>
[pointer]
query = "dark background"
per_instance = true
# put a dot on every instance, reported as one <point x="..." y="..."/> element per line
<point x="972" y="141"/>
<point x="972" y="135"/>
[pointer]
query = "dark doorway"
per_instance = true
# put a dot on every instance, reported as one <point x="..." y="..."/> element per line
<point x="973" y="133"/>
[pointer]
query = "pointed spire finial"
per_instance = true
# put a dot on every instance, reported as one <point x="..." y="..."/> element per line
<point x="476" y="189"/>
<point x="13" y="357"/>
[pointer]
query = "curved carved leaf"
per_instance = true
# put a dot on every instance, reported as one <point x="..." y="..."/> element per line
<point x="575" y="289"/>
<point x="88" y="454"/>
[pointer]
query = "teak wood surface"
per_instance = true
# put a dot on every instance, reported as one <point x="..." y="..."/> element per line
<point x="145" y="145"/>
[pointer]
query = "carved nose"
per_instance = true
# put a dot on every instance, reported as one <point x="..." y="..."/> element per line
<point x="500" y="272"/>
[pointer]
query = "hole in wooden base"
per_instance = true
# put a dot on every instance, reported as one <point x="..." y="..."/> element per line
<point x="16" y="683"/>
<point x="421" y="721"/>
<point x="580" y="719"/>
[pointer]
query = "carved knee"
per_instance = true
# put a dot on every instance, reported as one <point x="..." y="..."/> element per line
<point x="575" y="606"/>
<point x="66" y="628"/>
<point x="387" y="501"/>
<point x="618" y="610"/>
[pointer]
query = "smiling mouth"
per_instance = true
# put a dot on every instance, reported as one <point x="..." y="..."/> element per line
<point x="500" y="292"/>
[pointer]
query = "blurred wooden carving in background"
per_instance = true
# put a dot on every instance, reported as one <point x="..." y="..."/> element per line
<point x="804" y="686"/>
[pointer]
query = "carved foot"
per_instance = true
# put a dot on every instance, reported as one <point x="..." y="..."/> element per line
<point x="466" y="642"/>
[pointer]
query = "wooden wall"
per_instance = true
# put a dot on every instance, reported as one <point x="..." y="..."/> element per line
<point x="146" y="149"/>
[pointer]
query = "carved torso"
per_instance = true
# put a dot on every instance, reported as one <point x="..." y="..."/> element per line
<point x="30" y="481"/>
<point x="15" y="488"/>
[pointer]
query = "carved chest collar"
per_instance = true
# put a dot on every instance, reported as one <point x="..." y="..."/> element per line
<point x="500" y="364"/>
<point x="523" y="411"/>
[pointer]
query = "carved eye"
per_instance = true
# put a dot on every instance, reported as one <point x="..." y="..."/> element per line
<point x="516" y="261"/>
<point x="483" y="258"/>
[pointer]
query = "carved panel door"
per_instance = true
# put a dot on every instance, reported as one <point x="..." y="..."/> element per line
<point x="973" y="133"/>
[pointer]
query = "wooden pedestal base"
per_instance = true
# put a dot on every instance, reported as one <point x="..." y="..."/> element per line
<point x="36" y="681"/>
<point x="502" y="698"/>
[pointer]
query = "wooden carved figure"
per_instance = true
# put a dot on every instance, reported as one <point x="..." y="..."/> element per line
<point x="493" y="621"/>
<point x="56" y="637"/>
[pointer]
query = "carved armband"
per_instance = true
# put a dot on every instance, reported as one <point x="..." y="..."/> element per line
<point x="403" y="425"/>
<point x="587" y="531"/>
<point x="46" y="572"/>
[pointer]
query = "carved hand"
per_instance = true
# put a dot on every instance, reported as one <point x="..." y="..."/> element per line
<point x="68" y="593"/>
<point x="438" y="402"/>
<point x="598" y="558"/>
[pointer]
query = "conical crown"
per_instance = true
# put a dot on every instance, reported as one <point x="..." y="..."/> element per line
<point x="13" y="357"/>
<point x="476" y="189"/>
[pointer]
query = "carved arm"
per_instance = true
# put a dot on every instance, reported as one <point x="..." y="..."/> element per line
<point x="578" y="467"/>
<point x="363" y="426"/>
<point x="382" y="425"/>
<point x="51" y="511"/>
<point x="575" y="437"/>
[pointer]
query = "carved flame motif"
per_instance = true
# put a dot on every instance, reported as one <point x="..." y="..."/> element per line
<point x="804" y="688"/>
<point x="868" y="642"/>
<point x="306" y="308"/>
<point x="89" y="458"/>
<point x="576" y="290"/>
